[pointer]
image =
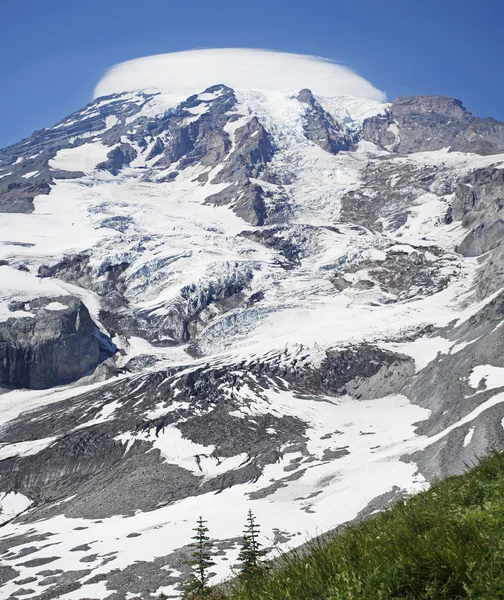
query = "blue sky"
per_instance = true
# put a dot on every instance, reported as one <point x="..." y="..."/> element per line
<point x="53" y="52"/>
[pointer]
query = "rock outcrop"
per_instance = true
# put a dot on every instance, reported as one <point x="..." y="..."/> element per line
<point x="321" y="128"/>
<point x="426" y="123"/>
<point x="479" y="204"/>
<point x="57" y="343"/>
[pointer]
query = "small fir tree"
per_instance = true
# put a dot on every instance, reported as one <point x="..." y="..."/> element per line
<point x="201" y="561"/>
<point x="251" y="552"/>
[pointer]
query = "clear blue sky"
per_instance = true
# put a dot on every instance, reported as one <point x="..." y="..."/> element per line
<point x="53" y="52"/>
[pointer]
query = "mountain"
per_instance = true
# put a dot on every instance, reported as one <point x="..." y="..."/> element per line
<point x="273" y="291"/>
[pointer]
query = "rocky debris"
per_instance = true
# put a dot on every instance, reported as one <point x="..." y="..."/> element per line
<point x="426" y="123"/>
<point x="363" y="372"/>
<point x="404" y="272"/>
<point x="292" y="242"/>
<point x="7" y="573"/>
<point x="51" y="347"/>
<point x="88" y="461"/>
<point x="389" y="192"/>
<point x="321" y="128"/>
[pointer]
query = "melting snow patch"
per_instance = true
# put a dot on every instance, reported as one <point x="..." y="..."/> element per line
<point x="104" y="415"/>
<point x="56" y="306"/>
<point x="491" y="377"/>
<point x="25" y="448"/>
<point x="11" y="505"/>
<point x="30" y="174"/>
<point x="468" y="437"/>
<point x="422" y="350"/>
<point x="111" y="121"/>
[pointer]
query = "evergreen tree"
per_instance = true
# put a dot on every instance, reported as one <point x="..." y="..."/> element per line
<point x="251" y="552"/>
<point x="201" y="561"/>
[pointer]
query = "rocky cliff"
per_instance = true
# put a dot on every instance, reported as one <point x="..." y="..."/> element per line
<point x="56" y="343"/>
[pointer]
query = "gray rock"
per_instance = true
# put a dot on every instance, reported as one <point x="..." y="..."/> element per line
<point x="7" y="573"/>
<point x="425" y="123"/>
<point x="479" y="204"/>
<point x="321" y="128"/>
<point x="52" y="347"/>
<point x="37" y="562"/>
<point x="253" y="150"/>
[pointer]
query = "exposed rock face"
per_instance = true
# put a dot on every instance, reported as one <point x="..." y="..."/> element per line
<point x="478" y="203"/>
<point x="247" y="202"/>
<point x="56" y="345"/>
<point x="17" y="196"/>
<point x="117" y="158"/>
<point x="426" y="123"/>
<point x="252" y="152"/>
<point x="178" y="136"/>
<point x="321" y="128"/>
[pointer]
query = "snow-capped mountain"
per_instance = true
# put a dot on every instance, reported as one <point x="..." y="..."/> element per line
<point x="238" y="279"/>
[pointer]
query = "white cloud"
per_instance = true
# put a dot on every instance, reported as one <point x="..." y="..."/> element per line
<point x="240" y="68"/>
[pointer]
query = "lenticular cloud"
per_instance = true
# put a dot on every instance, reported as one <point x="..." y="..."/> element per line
<point x="239" y="68"/>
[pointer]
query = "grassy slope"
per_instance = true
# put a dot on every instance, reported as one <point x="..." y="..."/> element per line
<point x="443" y="544"/>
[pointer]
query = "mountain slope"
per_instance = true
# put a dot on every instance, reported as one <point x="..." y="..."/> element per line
<point x="291" y="302"/>
<point x="443" y="543"/>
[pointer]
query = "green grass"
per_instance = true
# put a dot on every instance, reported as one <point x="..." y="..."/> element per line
<point x="443" y="544"/>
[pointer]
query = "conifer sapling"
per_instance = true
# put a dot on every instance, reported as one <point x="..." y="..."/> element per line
<point x="251" y="552"/>
<point x="201" y="561"/>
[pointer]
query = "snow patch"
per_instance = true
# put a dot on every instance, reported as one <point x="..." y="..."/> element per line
<point x="491" y="377"/>
<point x="83" y="158"/>
<point x="11" y="505"/>
<point x="30" y="174"/>
<point x="55" y="306"/>
<point x="468" y="437"/>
